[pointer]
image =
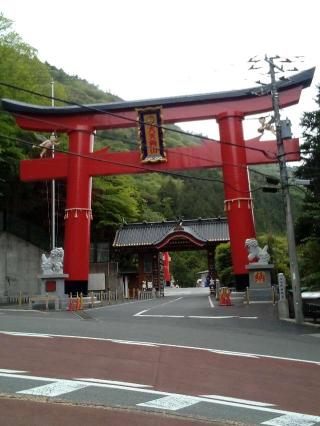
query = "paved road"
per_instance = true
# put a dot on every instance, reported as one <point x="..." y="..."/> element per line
<point x="181" y="354"/>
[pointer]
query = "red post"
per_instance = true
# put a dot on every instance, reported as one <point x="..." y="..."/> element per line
<point x="238" y="202"/>
<point x="78" y="210"/>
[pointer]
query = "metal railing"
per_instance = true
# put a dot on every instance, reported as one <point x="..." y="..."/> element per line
<point x="19" y="299"/>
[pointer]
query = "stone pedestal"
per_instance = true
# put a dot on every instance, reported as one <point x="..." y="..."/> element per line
<point x="260" y="288"/>
<point x="52" y="284"/>
<point x="259" y="275"/>
<point x="51" y="292"/>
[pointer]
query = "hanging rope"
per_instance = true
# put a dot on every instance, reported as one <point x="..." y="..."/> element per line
<point x="48" y="208"/>
<point x="57" y="213"/>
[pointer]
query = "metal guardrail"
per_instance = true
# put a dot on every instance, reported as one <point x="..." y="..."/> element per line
<point x="19" y="299"/>
<point x="108" y="297"/>
<point x="144" y="295"/>
<point x="114" y="295"/>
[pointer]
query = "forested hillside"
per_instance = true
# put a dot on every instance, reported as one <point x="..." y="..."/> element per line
<point x="149" y="197"/>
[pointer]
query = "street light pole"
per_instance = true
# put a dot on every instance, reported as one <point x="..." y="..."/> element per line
<point x="53" y="185"/>
<point x="295" y="277"/>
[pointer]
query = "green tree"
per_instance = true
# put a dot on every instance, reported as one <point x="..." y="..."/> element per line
<point x="308" y="224"/>
<point x="278" y="250"/>
<point x="185" y="265"/>
<point x="115" y="200"/>
<point x="223" y="263"/>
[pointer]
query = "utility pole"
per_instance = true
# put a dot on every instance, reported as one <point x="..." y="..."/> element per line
<point x="295" y="277"/>
<point x="53" y="185"/>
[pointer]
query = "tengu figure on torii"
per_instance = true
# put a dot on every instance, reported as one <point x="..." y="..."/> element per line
<point x="232" y="154"/>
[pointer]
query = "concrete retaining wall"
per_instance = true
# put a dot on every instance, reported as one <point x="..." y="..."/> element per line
<point x="19" y="266"/>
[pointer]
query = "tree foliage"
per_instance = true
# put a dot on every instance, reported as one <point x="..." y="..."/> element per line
<point x="308" y="224"/>
<point x="185" y="265"/>
<point x="224" y="264"/>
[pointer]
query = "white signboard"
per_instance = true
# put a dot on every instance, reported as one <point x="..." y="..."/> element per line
<point x="97" y="282"/>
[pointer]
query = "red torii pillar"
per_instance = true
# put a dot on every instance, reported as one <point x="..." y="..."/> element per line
<point x="238" y="201"/>
<point x="78" y="211"/>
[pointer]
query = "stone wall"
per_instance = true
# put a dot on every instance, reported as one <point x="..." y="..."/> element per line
<point x="19" y="266"/>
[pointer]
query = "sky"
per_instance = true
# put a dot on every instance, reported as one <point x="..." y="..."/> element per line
<point x="139" y="49"/>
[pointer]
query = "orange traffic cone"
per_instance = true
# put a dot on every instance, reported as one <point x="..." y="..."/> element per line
<point x="228" y="299"/>
<point x="69" y="308"/>
<point x="224" y="297"/>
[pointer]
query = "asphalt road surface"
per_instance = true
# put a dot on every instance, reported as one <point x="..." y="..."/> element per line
<point x="177" y="360"/>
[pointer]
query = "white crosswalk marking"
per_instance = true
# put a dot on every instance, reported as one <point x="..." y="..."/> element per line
<point x="174" y="402"/>
<point x="293" y="420"/>
<point x="55" y="389"/>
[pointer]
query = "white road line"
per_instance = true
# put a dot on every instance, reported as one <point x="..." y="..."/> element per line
<point x="168" y="345"/>
<point x="293" y="420"/>
<point x="4" y="370"/>
<point x="114" y="382"/>
<point x="28" y="377"/>
<point x="213" y="317"/>
<point x="172" y="403"/>
<point x="221" y="352"/>
<point x="55" y="389"/>
<point x="160" y="316"/>
<point x="128" y="342"/>
<point x="210" y="302"/>
<point x="72" y="385"/>
<point x="17" y="333"/>
<point x="242" y="401"/>
<point x="140" y="314"/>
<point x="248" y="317"/>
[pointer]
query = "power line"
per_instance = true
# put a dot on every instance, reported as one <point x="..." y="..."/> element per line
<point x="134" y="166"/>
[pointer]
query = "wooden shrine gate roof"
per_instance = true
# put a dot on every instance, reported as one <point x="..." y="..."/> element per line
<point x="172" y="235"/>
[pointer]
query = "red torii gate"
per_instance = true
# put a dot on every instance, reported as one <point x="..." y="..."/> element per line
<point x="233" y="154"/>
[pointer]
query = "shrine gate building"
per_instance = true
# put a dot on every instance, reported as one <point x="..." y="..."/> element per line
<point x="150" y="240"/>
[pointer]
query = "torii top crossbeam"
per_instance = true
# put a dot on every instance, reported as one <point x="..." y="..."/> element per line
<point x="175" y="109"/>
<point x="231" y="152"/>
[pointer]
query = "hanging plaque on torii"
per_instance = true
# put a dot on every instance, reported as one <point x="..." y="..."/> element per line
<point x="232" y="154"/>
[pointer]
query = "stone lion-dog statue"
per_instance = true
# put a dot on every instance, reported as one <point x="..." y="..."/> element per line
<point x="256" y="253"/>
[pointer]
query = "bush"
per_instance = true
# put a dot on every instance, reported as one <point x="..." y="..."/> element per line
<point x="224" y="264"/>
